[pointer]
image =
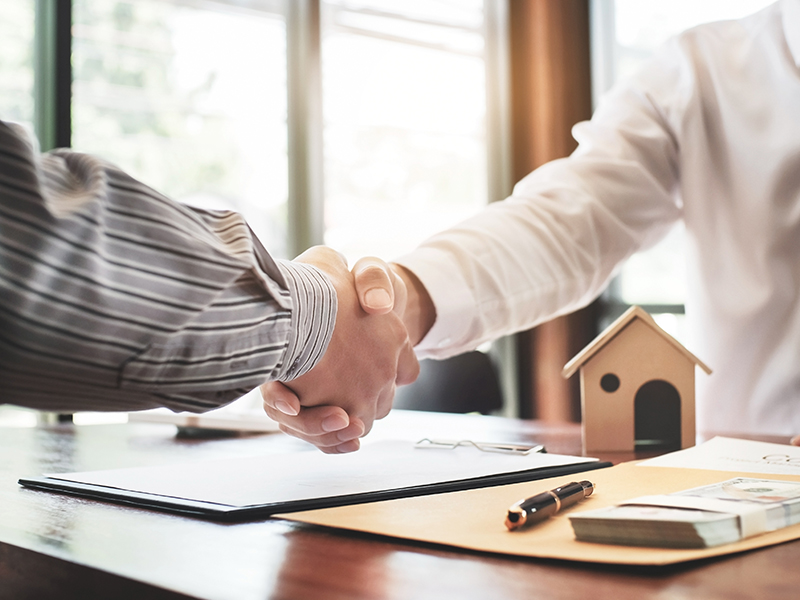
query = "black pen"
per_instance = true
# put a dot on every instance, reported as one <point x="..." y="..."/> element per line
<point x="539" y="507"/>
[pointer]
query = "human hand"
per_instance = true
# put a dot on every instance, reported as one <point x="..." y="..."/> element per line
<point x="795" y="441"/>
<point x="336" y="402"/>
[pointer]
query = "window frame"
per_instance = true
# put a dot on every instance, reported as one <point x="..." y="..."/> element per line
<point x="52" y="73"/>
<point x="306" y="199"/>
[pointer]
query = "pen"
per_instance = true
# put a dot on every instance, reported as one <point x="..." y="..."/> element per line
<point x="539" y="507"/>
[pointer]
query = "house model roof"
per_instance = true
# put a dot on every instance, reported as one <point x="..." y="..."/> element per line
<point x="634" y="312"/>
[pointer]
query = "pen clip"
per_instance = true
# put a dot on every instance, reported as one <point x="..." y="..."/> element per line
<point x="499" y="448"/>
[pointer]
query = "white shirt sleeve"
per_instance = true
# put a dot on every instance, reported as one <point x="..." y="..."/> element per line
<point x="553" y="245"/>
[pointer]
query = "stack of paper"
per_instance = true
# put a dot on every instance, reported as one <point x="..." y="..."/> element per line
<point x="697" y="518"/>
<point x="247" y="487"/>
<point x="246" y="415"/>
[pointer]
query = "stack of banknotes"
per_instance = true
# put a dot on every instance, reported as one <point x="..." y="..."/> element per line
<point x="697" y="518"/>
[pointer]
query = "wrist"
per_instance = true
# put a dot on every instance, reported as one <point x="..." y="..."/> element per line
<point x="314" y="308"/>
<point x="420" y="313"/>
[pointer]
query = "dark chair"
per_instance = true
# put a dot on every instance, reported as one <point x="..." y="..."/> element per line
<point x="461" y="384"/>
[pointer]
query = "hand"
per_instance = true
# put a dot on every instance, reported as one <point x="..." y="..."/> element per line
<point x="369" y="354"/>
<point x="795" y="441"/>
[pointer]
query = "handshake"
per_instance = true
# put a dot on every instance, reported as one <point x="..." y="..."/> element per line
<point x="382" y="313"/>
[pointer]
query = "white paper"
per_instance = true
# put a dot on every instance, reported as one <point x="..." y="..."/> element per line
<point x="249" y="481"/>
<point x="729" y="454"/>
<point x="245" y="414"/>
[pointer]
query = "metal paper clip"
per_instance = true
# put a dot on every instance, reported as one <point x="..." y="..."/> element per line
<point x="482" y="446"/>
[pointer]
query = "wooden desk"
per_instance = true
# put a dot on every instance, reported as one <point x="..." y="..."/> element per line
<point x="54" y="546"/>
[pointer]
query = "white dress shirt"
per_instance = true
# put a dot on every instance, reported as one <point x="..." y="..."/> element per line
<point x="708" y="133"/>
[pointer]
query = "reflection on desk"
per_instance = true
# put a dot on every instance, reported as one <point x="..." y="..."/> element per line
<point x="54" y="546"/>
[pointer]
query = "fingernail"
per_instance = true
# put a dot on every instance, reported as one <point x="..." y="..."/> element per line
<point x="346" y="435"/>
<point x="377" y="298"/>
<point x="285" y="408"/>
<point x="334" y="422"/>
<point x="350" y="446"/>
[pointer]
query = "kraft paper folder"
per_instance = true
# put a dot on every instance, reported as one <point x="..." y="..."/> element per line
<point x="250" y="487"/>
<point x="473" y="519"/>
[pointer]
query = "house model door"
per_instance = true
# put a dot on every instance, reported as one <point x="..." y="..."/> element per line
<point x="657" y="417"/>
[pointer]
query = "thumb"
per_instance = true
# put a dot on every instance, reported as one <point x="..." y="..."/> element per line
<point x="374" y="281"/>
<point x="279" y="397"/>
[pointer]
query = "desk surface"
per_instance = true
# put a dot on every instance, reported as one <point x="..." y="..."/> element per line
<point x="55" y="546"/>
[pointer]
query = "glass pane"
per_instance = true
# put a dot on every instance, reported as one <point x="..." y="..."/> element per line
<point x="189" y="97"/>
<point x="16" y="62"/>
<point x="404" y="109"/>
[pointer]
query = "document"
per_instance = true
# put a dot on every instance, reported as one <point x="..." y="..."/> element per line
<point x="259" y="486"/>
<point x="245" y="415"/>
<point x="481" y="512"/>
<point x="729" y="454"/>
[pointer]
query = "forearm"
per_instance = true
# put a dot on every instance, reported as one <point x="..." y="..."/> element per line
<point x="419" y="314"/>
<point x="554" y="244"/>
<point x="116" y="298"/>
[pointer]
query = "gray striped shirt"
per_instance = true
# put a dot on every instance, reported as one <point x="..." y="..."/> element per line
<point x="113" y="297"/>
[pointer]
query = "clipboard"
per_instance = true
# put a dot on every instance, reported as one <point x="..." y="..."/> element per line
<point x="256" y="487"/>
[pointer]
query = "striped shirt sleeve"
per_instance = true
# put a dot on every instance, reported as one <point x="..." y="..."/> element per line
<point x="113" y="297"/>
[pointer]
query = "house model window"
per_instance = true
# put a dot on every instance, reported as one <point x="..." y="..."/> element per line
<point x="637" y="387"/>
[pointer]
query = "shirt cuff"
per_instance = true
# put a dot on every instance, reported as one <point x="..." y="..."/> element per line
<point x="452" y="298"/>
<point x="314" y="306"/>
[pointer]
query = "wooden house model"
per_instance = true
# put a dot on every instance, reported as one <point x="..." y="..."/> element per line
<point x="637" y="387"/>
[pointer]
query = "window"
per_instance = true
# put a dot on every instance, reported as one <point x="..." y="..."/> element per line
<point x="16" y="61"/>
<point x="404" y="103"/>
<point x="366" y="125"/>
<point x="189" y="97"/>
<point x="625" y="33"/>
